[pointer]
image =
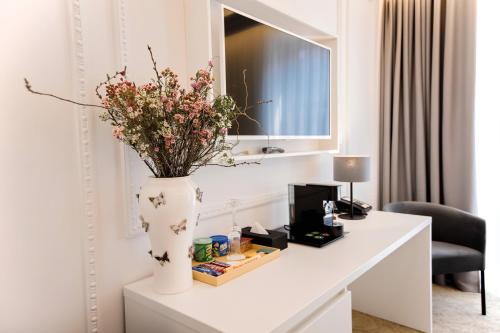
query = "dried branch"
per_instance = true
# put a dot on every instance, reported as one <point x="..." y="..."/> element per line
<point x="155" y="68"/>
<point x="234" y="164"/>
<point x="109" y="79"/>
<point x="246" y="88"/>
<point x="28" y="87"/>
<point x="151" y="168"/>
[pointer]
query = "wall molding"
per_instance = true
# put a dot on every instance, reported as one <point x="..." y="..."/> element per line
<point x="209" y="211"/>
<point x="130" y="163"/>
<point x="86" y="170"/>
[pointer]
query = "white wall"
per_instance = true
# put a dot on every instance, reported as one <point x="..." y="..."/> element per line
<point x="320" y="14"/>
<point x="361" y="122"/>
<point x="45" y="210"/>
<point x="41" y="274"/>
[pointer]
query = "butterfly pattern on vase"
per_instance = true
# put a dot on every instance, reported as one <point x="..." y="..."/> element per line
<point x="144" y="224"/>
<point x="199" y="195"/>
<point x="179" y="227"/>
<point x="162" y="260"/>
<point x="191" y="252"/>
<point x="159" y="200"/>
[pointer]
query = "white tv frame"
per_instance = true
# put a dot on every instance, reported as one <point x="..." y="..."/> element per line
<point x="222" y="78"/>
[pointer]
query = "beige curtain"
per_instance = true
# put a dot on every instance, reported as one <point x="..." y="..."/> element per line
<point x="427" y="102"/>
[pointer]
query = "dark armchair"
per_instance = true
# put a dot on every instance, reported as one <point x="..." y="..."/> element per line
<point x="458" y="238"/>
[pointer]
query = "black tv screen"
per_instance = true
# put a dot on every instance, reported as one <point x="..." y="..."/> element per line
<point x="290" y="73"/>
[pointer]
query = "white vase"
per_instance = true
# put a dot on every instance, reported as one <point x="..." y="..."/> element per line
<point x="169" y="212"/>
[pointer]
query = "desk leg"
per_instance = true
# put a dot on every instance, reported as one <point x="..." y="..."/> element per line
<point x="399" y="288"/>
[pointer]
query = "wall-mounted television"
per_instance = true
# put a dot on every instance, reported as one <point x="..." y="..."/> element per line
<point x="289" y="73"/>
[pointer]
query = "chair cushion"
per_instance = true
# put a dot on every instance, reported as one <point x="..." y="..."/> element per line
<point x="452" y="258"/>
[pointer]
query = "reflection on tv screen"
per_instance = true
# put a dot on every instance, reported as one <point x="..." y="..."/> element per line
<point x="292" y="74"/>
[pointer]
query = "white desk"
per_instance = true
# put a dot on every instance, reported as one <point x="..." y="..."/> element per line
<point x="384" y="263"/>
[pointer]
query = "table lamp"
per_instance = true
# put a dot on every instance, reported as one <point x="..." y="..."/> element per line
<point x="351" y="169"/>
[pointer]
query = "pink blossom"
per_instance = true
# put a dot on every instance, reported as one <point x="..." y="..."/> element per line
<point x="210" y="64"/>
<point x="169" y="140"/>
<point x="223" y="131"/>
<point x="117" y="132"/>
<point x="195" y="85"/>
<point x="105" y="101"/>
<point x="169" y="106"/>
<point x="206" y="133"/>
<point x="203" y="72"/>
<point x="149" y="87"/>
<point x="130" y="109"/>
<point x="156" y="149"/>
<point x="180" y="118"/>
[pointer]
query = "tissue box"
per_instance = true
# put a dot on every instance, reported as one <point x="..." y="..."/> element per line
<point x="276" y="239"/>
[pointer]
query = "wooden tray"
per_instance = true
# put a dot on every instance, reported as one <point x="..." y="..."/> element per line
<point x="238" y="271"/>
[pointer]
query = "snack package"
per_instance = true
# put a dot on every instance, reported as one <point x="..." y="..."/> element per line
<point x="207" y="270"/>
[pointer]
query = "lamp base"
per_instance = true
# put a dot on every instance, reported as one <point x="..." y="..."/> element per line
<point x="348" y="216"/>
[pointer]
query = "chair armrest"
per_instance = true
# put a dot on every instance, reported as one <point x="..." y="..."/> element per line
<point x="459" y="227"/>
<point x="449" y="224"/>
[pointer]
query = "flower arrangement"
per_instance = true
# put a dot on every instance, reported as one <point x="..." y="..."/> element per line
<point x="174" y="130"/>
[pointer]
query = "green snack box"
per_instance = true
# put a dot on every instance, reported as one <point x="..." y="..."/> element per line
<point x="203" y="249"/>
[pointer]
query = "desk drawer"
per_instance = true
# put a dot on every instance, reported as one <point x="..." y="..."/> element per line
<point x="335" y="316"/>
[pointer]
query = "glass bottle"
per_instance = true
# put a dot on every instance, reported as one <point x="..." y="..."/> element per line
<point x="234" y="235"/>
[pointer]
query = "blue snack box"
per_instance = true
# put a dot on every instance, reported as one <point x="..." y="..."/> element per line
<point x="220" y="245"/>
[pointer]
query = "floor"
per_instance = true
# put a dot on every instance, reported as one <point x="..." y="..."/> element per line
<point x="453" y="311"/>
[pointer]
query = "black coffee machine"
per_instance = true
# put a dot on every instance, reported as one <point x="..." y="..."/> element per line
<point x="311" y="208"/>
